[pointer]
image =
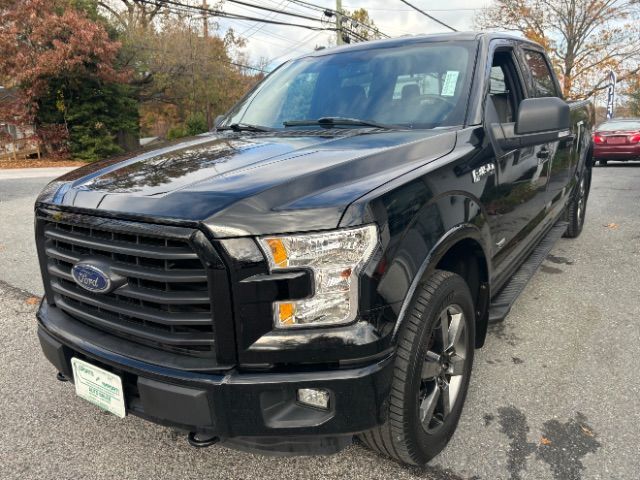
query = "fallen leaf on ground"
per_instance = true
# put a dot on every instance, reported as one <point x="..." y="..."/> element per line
<point x="545" y="441"/>
<point x="586" y="431"/>
<point x="612" y="226"/>
<point x="32" y="300"/>
<point x="44" y="162"/>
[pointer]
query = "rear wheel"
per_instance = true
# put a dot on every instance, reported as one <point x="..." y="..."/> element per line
<point x="577" y="208"/>
<point x="432" y="371"/>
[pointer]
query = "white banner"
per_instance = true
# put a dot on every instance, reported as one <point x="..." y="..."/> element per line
<point x="611" y="94"/>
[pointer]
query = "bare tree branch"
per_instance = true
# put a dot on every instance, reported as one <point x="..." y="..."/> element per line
<point x="580" y="36"/>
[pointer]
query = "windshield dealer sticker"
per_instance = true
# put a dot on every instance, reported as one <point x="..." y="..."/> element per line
<point x="449" y="84"/>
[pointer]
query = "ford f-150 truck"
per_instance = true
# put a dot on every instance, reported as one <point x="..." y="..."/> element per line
<point x="324" y="263"/>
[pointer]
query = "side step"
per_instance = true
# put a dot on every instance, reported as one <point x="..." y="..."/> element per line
<point x="502" y="303"/>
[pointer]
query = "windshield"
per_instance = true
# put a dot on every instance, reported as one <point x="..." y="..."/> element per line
<point x="422" y="85"/>
<point x="620" y="125"/>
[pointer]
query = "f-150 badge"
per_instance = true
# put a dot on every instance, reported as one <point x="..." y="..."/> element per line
<point x="481" y="172"/>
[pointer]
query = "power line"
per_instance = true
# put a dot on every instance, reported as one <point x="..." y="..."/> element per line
<point x="429" y="16"/>
<point x="215" y="59"/>
<point x="240" y="65"/>
<point x="463" y="9"/>
<point x="186" y="9"/>
<point x="306" y="40"/>
<point x="282" y="41"/>
<point x="330" y="12"/>
<point x="353" y="33"/>
<point x="256" y="27"/>
<point x="259" y="24"/>
<point x="246" y="4"/>
<point x="291" y="6"/>
<point x="176" y="6"/>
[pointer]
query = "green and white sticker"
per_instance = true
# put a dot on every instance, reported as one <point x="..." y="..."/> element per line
<point x="449" y="84"/>
<point x="96" y="385"/>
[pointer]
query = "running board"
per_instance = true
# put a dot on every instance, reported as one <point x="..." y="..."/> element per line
<point x="502" y="303"/>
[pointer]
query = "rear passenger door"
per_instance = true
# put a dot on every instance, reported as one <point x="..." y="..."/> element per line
<point x="542" y="83"/>
<point x="517" y="204"/>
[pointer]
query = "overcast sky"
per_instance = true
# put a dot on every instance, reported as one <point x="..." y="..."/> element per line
<point x="279" y="43"/>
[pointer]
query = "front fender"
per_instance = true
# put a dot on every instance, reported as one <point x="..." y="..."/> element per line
<point x="457" y="234"/>
<point x="417" y="230"/>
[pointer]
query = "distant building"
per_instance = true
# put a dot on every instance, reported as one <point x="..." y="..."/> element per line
<point x="17" y="141"/>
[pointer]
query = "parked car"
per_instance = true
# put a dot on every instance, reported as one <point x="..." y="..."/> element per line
<point x="617" y="139"/>
<point x="325" y="263"/>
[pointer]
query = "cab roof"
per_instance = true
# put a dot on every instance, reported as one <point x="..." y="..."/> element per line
<point x="411" y="39"/>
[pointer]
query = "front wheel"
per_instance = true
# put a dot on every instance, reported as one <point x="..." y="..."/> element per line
<point x="431" y="374"/>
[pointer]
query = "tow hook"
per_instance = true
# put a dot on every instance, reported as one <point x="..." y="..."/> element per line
<point x="202" y="440"/>
<point x="60" y="377"/>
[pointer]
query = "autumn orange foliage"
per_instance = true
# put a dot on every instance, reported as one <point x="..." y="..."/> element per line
<point x="41" y="40"/>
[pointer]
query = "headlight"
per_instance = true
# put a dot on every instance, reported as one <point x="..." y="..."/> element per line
<point x="335" y="258"/>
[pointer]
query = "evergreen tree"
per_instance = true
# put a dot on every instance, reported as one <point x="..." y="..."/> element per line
<point x="96" y="115"/>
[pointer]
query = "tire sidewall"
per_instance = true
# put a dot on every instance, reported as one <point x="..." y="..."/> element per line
<point x="576" y="223"/>
<point x="452" y="291"/>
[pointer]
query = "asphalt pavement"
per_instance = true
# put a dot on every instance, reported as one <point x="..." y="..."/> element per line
<point x="555" y="392"/>
<point x="18" y="191"/>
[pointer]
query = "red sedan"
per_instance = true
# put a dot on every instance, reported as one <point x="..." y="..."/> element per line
<point x="617" y="139"/>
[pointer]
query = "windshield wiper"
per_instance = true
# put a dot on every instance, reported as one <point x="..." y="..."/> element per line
<point x="329" y="122"/>
<point x="245" y="127"/>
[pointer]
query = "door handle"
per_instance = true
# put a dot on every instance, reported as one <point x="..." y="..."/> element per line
<point x="543" y="155"/>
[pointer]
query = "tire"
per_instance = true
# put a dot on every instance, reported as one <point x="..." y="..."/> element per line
<point x="577" y="209"/>
<point x="602" y="163"/>
<point x="425" y="372"/>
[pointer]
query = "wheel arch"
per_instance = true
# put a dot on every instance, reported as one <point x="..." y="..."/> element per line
<point x="462" y="251"/>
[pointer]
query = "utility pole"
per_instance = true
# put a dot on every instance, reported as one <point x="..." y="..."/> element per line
<point x="205" y="46"/>
<point x="205" y="19"/>
<point x="339" y="39"/>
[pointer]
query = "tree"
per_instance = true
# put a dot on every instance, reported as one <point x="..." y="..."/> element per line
<point x="134" y="14"/>
<point x="179" y="73"/>
<point x="50" y="49"/>
<point x="361" y="24"/>
<point x="584" y="38"/>
<point x="633" y="96"/>
<point x="99" y="117"/>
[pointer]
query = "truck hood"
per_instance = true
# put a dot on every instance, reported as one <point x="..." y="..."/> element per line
<point x="251" y="183"/>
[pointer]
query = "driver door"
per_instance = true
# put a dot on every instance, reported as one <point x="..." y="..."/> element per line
<point x="517" y="205"/>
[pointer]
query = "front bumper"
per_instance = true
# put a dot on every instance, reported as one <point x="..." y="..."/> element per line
<point x="247" y="410"/>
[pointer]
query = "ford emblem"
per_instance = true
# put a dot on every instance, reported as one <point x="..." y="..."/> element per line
<point x="91" y="278"/>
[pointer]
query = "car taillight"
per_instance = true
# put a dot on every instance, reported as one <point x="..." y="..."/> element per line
<point x="635" y="138"/>
<point x="597" y="139"/>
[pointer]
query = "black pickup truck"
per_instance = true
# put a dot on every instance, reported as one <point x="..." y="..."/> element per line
<point x="324" y="264"/>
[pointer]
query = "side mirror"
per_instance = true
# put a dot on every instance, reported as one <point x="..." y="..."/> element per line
<point x="536" y="115"/>
<point x="539" y="120"/>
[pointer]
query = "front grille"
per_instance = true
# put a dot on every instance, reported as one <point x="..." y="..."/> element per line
<point x="165" y="302"/>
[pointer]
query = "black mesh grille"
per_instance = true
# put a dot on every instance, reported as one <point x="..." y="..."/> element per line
<point x="165" y="302"/>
